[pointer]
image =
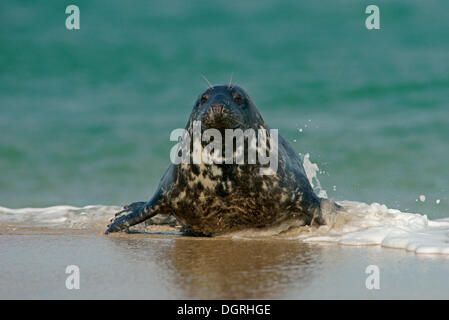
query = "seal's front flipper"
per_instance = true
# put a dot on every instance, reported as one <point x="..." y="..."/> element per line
<point x="329" y="210"/>
<point x="133" y="214"/>
<point x="138" y="212"/>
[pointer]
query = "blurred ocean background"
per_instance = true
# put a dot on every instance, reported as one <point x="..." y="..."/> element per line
<point x="85" y="115"/>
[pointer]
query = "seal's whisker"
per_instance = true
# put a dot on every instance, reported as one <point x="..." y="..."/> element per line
<point x="239" y="122"/>
<point x="207" y="81"/>
<point x="230" y="80"/>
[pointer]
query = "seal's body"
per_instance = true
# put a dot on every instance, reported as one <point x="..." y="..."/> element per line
<point x="218" y="198"/>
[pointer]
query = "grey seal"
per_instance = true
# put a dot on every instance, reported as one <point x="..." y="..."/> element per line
<point x="213" y="199"/>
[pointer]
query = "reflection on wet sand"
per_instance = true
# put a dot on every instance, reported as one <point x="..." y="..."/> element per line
<point x="223" y="268"/>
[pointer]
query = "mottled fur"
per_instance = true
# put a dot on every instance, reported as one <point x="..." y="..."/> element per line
<point x="218" y="198"/>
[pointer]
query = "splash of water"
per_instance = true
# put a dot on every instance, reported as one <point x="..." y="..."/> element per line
<point x="312" y="171"/>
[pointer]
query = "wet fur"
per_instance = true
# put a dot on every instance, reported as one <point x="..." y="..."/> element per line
<point x="218" y="198"/>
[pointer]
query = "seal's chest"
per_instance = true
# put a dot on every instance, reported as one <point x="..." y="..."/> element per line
<point x="215" y="198"/>
<point x="205" y="181"/>
<point x="220" y="187"/>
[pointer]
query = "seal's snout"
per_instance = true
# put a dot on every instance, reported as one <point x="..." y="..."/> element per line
<point x="218" y="108"/>
<point x="222" y="107"/>
<point x="218" y="116"/>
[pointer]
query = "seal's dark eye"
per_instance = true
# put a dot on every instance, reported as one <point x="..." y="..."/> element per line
<point x="204" y="98"/>
<point x="237" y="98"/>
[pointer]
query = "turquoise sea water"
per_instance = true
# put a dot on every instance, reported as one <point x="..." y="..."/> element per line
<point x="85" y="115"/>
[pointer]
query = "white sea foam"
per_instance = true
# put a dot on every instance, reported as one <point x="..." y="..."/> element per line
<point x="375" y="224"/>
<point x="87" y="217"/>
<point x="363" y="224"/>
<point x="359" y="224"/>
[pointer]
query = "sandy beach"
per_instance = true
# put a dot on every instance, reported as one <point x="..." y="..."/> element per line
<point x="164" y="266"/>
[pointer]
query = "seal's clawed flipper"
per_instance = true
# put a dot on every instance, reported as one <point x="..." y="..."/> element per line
<point x="133" y="214"/>
<point x="186" y="231"/>
<point x="130" y="207"/>
<point x="130" y="215"/>
<point x="329" y="210"/>
<point x="138" y="212"/>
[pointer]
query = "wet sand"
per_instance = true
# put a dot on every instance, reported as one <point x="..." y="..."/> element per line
<point x="171" y="266"/>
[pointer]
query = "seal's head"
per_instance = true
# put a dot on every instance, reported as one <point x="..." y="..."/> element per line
<point x="226" y="107"/>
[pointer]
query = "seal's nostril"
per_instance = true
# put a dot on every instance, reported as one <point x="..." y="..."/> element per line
<point x="218" y="107"/>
